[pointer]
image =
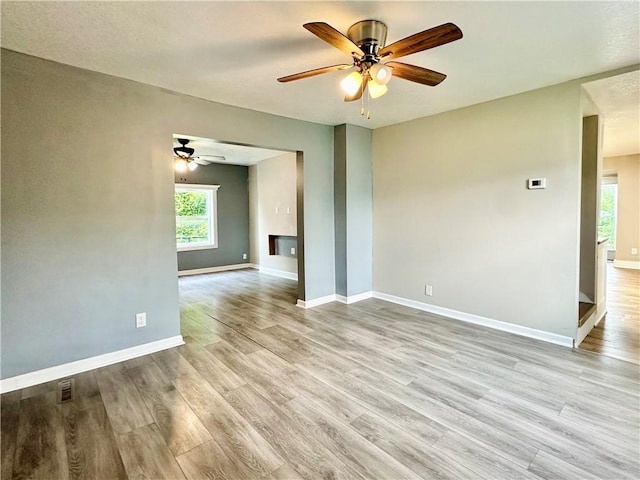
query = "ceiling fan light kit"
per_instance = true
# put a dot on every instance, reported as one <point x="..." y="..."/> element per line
<point x="365" y="43"/>
<point x="184" y="156"/>
<point x="185" y="160"/>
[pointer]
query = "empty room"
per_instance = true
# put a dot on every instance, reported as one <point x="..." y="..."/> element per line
<point x="304" y="240"/>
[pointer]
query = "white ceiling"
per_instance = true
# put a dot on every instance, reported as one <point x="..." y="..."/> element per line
<point x="233" y="154"/>
<point x="618" y="101"/>
<point x="232" y="52"/>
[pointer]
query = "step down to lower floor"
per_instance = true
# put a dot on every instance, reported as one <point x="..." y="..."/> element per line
<point x="585" y="310"/>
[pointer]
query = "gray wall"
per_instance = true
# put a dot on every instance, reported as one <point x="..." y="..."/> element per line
<point x="340" y="206"/>
<point x="233" y="216"/>
<point x="359" y="210"/>
<point x="254" y="218"/>
<point x="88" y="228"/>
<point x="353" y="210"/>
<point x="451" y="209"/>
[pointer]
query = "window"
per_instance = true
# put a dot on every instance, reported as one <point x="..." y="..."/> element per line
<point x="608" y="211"/>
<point x="196" y="216"/>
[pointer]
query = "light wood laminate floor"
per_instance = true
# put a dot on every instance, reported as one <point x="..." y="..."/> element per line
<point x="618" y="333"/>
<point x="263" y="389"/>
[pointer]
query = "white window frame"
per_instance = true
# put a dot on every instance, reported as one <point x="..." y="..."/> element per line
<point x="212" y="190"/>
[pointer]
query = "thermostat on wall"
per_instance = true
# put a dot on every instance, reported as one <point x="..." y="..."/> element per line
<point x="536" y="183"/>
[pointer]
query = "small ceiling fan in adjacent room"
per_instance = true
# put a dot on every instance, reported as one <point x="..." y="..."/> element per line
<point x="371" y="65"/>
<point x="185" y="160"/>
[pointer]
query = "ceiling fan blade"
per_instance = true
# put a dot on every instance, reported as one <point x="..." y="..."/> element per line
<point x="311" y="73"/>
<point x="416" y="74"/>
<point x="201" y="161"/>
<point x="208" y="159"/>
<point x="333" y="37"/>
<point x="434" y="37"/>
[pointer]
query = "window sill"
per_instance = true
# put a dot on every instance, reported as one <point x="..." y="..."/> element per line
<point x="196" y="247"/>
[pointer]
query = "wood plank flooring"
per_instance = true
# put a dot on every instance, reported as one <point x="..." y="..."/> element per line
<point x="618" y="333"/>
<point x="263" y="389"/>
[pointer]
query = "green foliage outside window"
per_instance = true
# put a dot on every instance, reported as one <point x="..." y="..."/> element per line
<point x="191" y="203"/>
<point x="192" y="223"/>
<point x="607" y="226"/>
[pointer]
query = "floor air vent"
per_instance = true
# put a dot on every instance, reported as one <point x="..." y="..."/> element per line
<point x="66" y="390"/>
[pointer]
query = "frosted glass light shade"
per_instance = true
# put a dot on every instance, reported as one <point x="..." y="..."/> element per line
<point x="381" y="73"/>
<point x="180" y="165"/>
<point x="352" y="83"/>
<point x="375" y="89"/>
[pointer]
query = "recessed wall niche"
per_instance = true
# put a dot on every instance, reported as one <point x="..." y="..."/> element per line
<point x="285" y="245"/>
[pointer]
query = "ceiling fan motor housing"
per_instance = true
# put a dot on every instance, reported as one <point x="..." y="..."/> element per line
<point x="370" y="36"/>
<point x="183" y="150"/>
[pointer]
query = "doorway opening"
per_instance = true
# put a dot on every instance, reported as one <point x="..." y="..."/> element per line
<point x="616" y="101"/>
<point x="231" y="201"/>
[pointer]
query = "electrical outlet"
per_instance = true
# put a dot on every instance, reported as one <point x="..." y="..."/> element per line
<point x="141" y="320"/>
<point x="244" y="256"/>
<point x="428" y="290"/>
<point x="634" y="251"/>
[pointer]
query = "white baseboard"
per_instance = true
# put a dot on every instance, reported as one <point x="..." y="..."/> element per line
<point x="354" y="298"/>
<point x="478" y="320"/>
<point x="221" y="268"/>
<point x="316" y="301"/>
<point x="79" y="366"/>
<point x="278" y="273"/>
<point x="626" y="264"/>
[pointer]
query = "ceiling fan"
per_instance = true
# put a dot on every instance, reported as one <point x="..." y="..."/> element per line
<point x="365" y="43"/>
<point x="184" y="159"/>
